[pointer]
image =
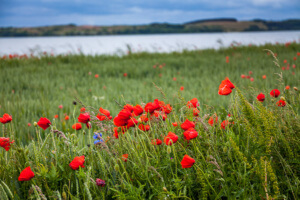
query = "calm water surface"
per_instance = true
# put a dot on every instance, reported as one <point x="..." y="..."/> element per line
<point x="138" y="43"/>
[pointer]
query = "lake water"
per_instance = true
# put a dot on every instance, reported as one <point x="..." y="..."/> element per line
<point x="120" y="44"/>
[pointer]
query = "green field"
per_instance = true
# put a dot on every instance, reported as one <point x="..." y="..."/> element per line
<point x="257" y="157"/>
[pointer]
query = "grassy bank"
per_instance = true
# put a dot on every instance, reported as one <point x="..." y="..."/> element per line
<point x="255" y="156"/>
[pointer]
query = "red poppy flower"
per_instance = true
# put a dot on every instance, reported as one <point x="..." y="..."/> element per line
<point x="44" y="123"/>
<point x="187" y="162"/>
<point x="77" y="126"/>
<point x="84" y="118"/>
<point x="243" y="76"/>
<point x="181" y="88"/>
<point x="156" y="142"/>
<point x="138" y="110"/>
<point x="167" y="108"/>
<point x="193" y="103"/>
<point x="281" y="103"/>
<point x="187" y="125"/>
<point x="5" y="119"/>
<point x="225" y="90"/>
<point x="28" y="124"/>
<point x="60" y="106"/>
<point x="211" y="120"/>
<point x="120" y="122"/>
<point x="5" y="143"/>
<point x="275" y="93"/>
<point x="196" y="112"/>
<point x="26" y="174"/>
<point x="264" y="76"/>
<point x="82" y="109"/>
<point x="175" y="124"/>
<point x="132" y="122"/>
<point x="152" y="106"/>
<point x="125" y="74"/>
<point x="116" y="133"/>
<point x="190" y="134"/>
<point x="144" y="127"/>
<point x="287" y="87"/>
<point x="67" y="117"/>
<point x="104" y="112"/>
<point x="225" y="123"/>
<point x="144" y="118"/>
<point x="77" y="162"/>
<point x="100" y="182"/>
<point x="96" y="75"/>
<point x="261" y="97"/>
<point x="124" y="157"/>
<point x="159" y="115"/>
<point x="226" y="87"/>
<point x="129" y="107"/>
<point x="55" y="116"/>
<point x="170" y="139"/>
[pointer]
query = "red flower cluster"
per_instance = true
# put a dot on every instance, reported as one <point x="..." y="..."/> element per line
<point x="225" y="123"/>
<point x="194" y="103"/>
<point x="226" y="87"/>
<point x="127" y="116"/>
<point x="5" y="143"/>
<point x="5" y="119"/>
<point x="189" y="128"/>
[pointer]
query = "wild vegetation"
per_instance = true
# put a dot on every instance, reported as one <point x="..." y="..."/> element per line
<point x="152" y="126"/>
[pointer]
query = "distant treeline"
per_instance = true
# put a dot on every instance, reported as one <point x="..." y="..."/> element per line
<point x="198" y="26"/>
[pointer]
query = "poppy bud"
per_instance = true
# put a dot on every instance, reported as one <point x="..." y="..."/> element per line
<point x="296" y="89"/>
<point x="230" y="119"/>
<point x="169" y="150"/>
<point x="35" y="124"/>
<point x="117" y="167"/>
<point x="165" y="189"/>
<point x="282" y="98"/>
<point x="64" y="195"/>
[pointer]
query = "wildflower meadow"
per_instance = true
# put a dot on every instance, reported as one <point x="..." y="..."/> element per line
<point x="204" y="124"/>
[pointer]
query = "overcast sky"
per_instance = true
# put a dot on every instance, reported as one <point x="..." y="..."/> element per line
<point x="24" y="13"/>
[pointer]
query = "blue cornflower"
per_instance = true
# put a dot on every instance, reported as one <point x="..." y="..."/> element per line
<point x="97" y="141"/>
<point x="96" y="135"/>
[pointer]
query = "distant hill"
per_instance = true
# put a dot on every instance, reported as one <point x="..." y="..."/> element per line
<point x="197" y="26"/>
